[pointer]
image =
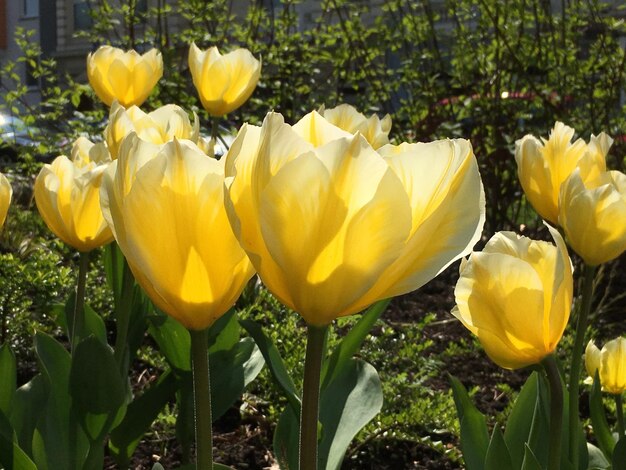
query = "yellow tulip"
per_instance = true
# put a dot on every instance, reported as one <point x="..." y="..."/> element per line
<point x="542" y="166"/>
<point x="610" y="362"/>
<point x="67" y="193"/>
<point x="515" y="296"/>
<point x="593" y="216"/>
<point x="166" y="208"/>
<point x="5" y="198"/>
<point x="331" y="225"/>
<point x="346" y="117"/>
<point x="223" y="82"/>
<point x="127" y="77"/>
<point x="158" y="127"/>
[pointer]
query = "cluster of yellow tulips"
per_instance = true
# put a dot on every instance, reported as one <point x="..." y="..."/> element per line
<point x="331" y="216"/>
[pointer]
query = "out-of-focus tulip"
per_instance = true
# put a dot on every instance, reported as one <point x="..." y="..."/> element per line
<point x="158" y="127"/>
<point x="515" y="296"/>
<point x="542" y="166"/>
<point x="223" y="82"/>
<point x="346" y="117"/>
<point x="166" y="208"/>
<point x="125" y="76"/>
<point x="5" y="198"/>
<point x="332" y="225"/>
<point x="593" y="216"/>
<point x="67" y="193"/>
<point x="610" y="362"/>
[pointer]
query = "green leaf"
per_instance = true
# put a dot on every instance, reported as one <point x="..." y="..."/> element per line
<point x="498" y="456"/>
<point x="12" y="457"/>
<point x="619" y="455"/>
<point x="94" y="325"/>
<point x="224" y="333"/>
<point x="597" y="460"/>
<point x="474" y="435"/>
<point x="139" y="416"/>
<point x="352" y="342"/>
<point x="173" y="340"/>
<point x="58" y="441"/>
<point x="28" y="406"/>
<point x="8" y="378"/>
<point x="539" y="438"/>
<point x="350" y="401"/>
<point x="286" y="439"/>
<point x="517" y="431"/>
<point x="231" y="371"/>
<point x="530" y="462"/>
<point x="96" y="386"/>
<point x="274" y="362"/>
<point x="601" y="428"/>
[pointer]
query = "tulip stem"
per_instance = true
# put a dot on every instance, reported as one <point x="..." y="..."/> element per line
<point x="202" y="399"/>
<point x="619" y="409"/>
<point x="316" y="336"/>
<point x="576" y="364"/>
<point x="556" y="411"/>
<point x="123" y="319"/>
<point x="78" y="320"/>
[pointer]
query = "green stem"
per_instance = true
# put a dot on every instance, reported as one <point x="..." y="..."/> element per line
<point x="576" y="364"/>
<point x="123" y="319"/>
<point x="215" y="121"/>
<point x="556" y="411"/>
<point x="619" y="409"/>
<point x="78" y="320"/>
<point x="202" y="399"/>
<point x="316" y="336"/>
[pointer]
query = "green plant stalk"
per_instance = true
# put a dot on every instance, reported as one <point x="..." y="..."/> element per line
<point x="78" y="320"/>
<point x="316" y="337"/>
<point x="202" y="399"/>
<point x="576" y="364"/>
<point x="556" y="411"/>
<point x="619" y="410"/>
<point x="123" y="318"/>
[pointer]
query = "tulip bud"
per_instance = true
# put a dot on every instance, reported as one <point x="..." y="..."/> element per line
<point x="5" y="198"/>
<point x="542" y="166"/>
<point x="127" y="77"/>
<point x="610" y="362"/>
<point x="593" y="216"/>
<point x="515" y="296"/>
<point x="346" y="117"/>
<point x="172" y="199"/>
<point x="223" y="82"/>
<point x="67" y="193"/>
<point x="158" y="127"/>
<point x="332" y="225"/>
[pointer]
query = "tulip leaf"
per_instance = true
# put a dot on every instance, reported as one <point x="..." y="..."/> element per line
<point x="520" y="420"/>
<point x="139" y="416"/>
<point x="538" y="438"/>
<point x="597" y="460"/>
<point x="8" y="378"/>
<point x="350" y="401"/>
<point x="224" y="333"/>
<point x="113" y="260"/>
<point x="173" y="340"/>
<point x="286" y="439"/>
<point x="601" y="428"/>
<point x="530" y="461"/>
<point x="12" y="457"/>
<point x="231" y="371"/>
<point x="274" y="361"/>
<point x="28" y="405"/>
<point x="474" y="435"/>
<point x="58" y="441"/>
<point x="619" y="455"/>
<point x="94" y="325"/>
<point x="498" y="456"/>
<point x="352" y="342"/>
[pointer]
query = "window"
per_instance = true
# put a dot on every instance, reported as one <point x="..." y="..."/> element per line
<point x="82" y="16"/>
<point x="30" y="8"/>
